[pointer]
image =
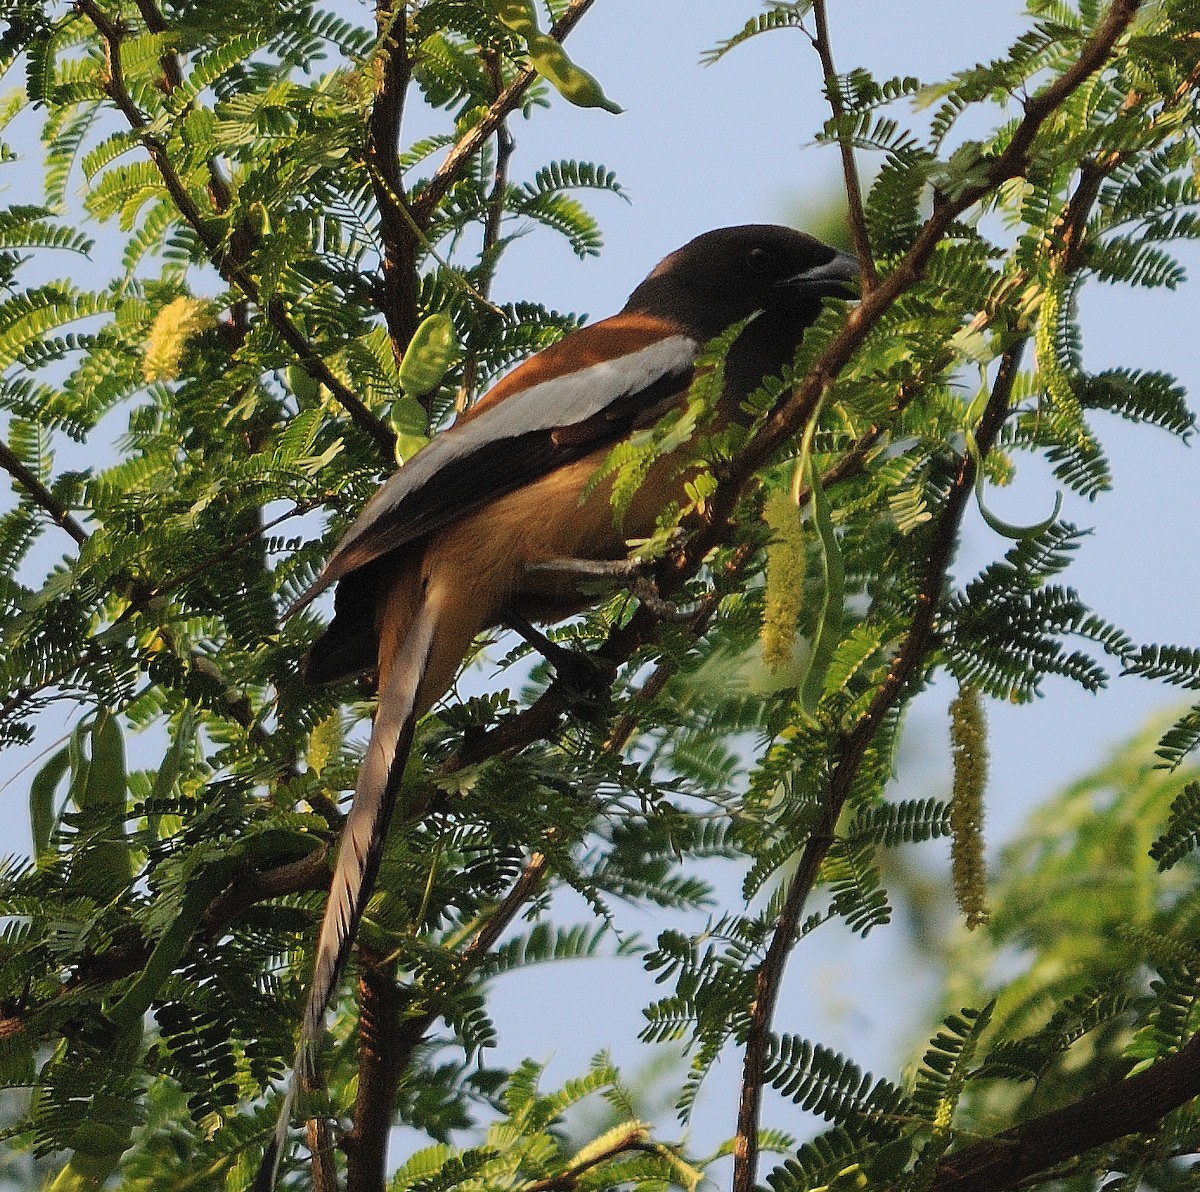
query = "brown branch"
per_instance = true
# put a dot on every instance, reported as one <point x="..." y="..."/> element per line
<point x="917" y="643"/>
<point x="850" y="464"/>
<point x="1114" y="1110"/>
<point x="248" y="886"/>
<point x="854" y="201"/>
<point x="252" y="885"/>
<point x="495" y="201"/>
<point x="793" y="411"/>
<point x="40" y="494"/>
<point x="921" y="634"/>
<point x="448" y="172"/>
<point x="383" y="1055"/>
<point x="380" y="1066"/>
<point x="524" y="888"/>
<point x="224" y="261"/>
<point x="391" y="1028"/>
<point x="396" y="294"/>
<point x="319" y="1139"/>
<point x="172" y="69"/>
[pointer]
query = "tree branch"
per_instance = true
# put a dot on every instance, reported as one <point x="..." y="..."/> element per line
<point x="391" y="1028"/>
<point x="917" y="643"/>
<point x="380" y="1065"/>
<point x="1114" y="1110"/>
<point x="1010" y="163"/>
<point x="397" y="291"/>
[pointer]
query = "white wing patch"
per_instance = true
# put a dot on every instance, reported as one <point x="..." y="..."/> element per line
<point x="561" y="401"/>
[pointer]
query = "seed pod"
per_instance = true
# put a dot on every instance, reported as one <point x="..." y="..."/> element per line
<point x="550" y="60"/>
<point x="410" y="423"/>
<point x="430" y="353"/>
<point x="572" y="82"/>
<point x="517" y="15"/>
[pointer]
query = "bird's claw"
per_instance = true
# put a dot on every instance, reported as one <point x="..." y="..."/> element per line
<point x="631" y="573"/>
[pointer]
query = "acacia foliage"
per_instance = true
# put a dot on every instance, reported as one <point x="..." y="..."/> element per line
<point x="282" y="244"/>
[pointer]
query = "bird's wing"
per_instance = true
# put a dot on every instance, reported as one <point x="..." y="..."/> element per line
<point x="575" y="396"/>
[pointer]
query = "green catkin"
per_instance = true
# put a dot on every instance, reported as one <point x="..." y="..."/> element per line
<point x="968" y="747"/>
<point x="785" y="579"/>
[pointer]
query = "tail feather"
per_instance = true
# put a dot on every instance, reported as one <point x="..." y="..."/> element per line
<point x="359" y="853"/>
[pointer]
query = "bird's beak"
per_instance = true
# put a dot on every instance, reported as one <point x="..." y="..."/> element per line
<point x="835" y="279"/>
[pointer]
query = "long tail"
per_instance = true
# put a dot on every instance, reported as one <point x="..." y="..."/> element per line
<point x="359" y="852"/>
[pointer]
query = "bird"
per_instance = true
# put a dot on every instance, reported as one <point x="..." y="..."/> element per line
<point x="470" y="532"/>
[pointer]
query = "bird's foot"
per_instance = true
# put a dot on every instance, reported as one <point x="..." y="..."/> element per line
<point x="621" y="573"/>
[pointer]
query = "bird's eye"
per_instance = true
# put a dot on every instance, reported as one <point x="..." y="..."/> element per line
<point x="758" y="259"/>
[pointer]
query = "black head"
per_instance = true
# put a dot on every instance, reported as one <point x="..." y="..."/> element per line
<point x="728" y="274"/>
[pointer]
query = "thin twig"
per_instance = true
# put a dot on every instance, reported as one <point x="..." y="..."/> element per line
<point x="524" y="888"/>
<point x="182" y="578"/>
<point x="854" y="200"/>
<point x="493" y="221"/>
<point x="450" y="169"/>
<point x="218" y="184"/>
<point x="631" y="1141"/>
<point x="40" y="494"/>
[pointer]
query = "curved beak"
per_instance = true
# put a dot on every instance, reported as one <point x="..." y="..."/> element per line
<point x="835" y="279"/>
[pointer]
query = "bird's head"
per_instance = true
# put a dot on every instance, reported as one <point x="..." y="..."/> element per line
<point x="728" y="274"/>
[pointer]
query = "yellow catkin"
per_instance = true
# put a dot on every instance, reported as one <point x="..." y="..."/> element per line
<point x="785" y="579"/>
<point x="179" y="321"/>
<point x="968" y="747"/>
